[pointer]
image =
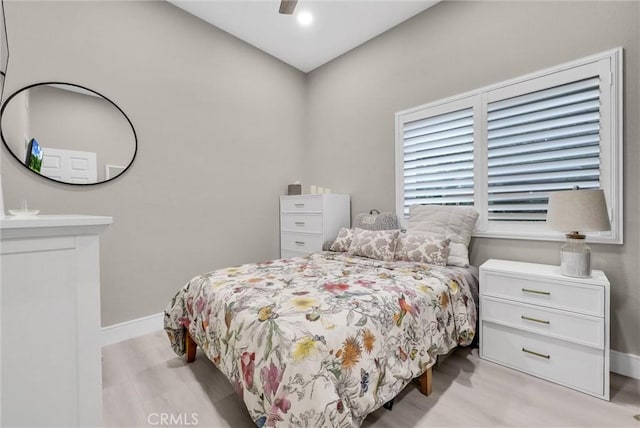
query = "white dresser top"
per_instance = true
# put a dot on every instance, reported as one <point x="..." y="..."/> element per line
<point x="18" y="222"/>
<point x="52" y="225"/>
<point x="547" y="271"/>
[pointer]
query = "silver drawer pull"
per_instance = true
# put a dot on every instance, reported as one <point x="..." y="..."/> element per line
<point x="528" y="290"/>
<point x="299" y="223"/>
<point x="299" y="242"/>
<point x="534" y="320"/>
<point x="537" y="354"/>
<point x="298" y="205"/>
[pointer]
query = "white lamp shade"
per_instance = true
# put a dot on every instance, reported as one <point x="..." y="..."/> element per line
<point x="578" y="210"/>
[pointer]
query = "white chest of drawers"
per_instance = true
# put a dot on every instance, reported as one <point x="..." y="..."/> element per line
<point x="534" y="319"/>
<point x="307" y="221"/>
<point x="50" y="349"/>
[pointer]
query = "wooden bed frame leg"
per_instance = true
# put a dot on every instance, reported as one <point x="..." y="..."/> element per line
<point x="190" y="347"/>
<point x="426" y="382"/>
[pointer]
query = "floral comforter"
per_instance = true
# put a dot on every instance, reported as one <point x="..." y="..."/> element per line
<point x="326" y="339"/>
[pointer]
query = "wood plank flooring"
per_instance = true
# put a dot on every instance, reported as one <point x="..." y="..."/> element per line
<point x="143" y="379"/>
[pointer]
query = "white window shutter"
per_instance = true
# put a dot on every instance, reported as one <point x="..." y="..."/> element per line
<point x="541" y="142"/>
<point x="438" y="159"/>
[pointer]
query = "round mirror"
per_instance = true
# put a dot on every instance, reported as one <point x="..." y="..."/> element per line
<point x="68" y="133"/>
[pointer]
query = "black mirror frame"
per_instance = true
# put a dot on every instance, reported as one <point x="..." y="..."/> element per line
<point x="135" y="136"/>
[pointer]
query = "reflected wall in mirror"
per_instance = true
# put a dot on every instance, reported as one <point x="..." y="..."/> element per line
<point x="67" y="133"/>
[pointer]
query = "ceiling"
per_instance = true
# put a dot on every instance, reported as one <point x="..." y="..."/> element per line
<point x="338" y="25"/>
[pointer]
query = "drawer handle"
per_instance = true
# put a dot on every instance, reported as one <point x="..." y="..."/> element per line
<point x="299" y="242"/>
<point x="298" y="205"/>
<point x="299" y="223"/>
<point x="528" y="290"/>
<point x="534" y="320"/>
<point x="537" y="354"/>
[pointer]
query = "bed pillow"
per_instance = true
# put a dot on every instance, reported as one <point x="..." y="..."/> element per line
<point x="422" y="248"/>
<point x="376" y="221"/>
<point x="374" y="244"/>
<point x="453" y="222"/>
<point x="343" y="241"/>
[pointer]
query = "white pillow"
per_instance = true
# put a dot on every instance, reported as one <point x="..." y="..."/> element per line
<point x="453" y="222"/>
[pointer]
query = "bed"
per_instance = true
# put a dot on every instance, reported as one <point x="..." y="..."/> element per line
<point x="326" y="339"/>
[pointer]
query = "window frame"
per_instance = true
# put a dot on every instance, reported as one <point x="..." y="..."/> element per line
<point x="609" y="65"/>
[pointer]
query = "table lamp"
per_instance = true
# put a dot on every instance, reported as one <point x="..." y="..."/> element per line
<point x="575" y="211"/>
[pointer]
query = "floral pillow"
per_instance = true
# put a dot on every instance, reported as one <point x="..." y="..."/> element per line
<point x="374" y="244"/>
<point x="423" y="249"/>
<point x="343" y="241"/>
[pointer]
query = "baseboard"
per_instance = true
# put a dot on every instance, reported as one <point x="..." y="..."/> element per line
<point x="621" y="363"/>
<point x="130" y="329"/>
<point x="625" y="364"/>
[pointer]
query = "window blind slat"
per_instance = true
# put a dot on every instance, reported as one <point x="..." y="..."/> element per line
<point x="586" y="140"/>
<point x="545" y="125"/>
<point x="443" y="155"/>
<point x="433" y="121"/>
<point x="545" y="135"/>
<point x="561" y="165"/>
<point x="427" y="144"/>
<point x="523" y="116"/>
<point x="544" y="176"/>
<point x="412" y="181"/>
<point x="539" y="157"/>
<point x="568" y="185"/>
<point x="454" y="127"/>
<point x="557" y="91"/>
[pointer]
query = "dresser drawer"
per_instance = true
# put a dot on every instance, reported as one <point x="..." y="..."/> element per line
<point x="301" y="242"/>
<point x="308" y="223"/>
<point x="581" y="329"/>
<point x="566" y="363"/>
<point x="301" y="204"/>
<point x="566" y="295"/>
<point x="287" y="254"/>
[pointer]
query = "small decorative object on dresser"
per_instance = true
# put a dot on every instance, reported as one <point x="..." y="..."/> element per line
<point x="307" y="221"/>
<point x="536" y="320"/>
<point x="294" y="189"/>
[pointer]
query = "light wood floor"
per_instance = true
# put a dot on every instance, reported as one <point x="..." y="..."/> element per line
<point x="143" y="378"/>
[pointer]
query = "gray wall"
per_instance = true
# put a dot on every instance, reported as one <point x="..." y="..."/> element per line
<point x="452" y="48"/>
<point x="214" y="153"/>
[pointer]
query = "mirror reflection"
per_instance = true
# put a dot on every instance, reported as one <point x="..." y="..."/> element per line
<point x="67" y="133"/>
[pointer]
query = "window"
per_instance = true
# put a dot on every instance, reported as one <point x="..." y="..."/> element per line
<point x="503" y="148"/>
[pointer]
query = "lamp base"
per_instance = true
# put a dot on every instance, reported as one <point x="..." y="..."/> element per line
<point x="575" y="258"/>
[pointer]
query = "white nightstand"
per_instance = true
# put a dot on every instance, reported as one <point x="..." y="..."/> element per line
<point x="534" y="319"/>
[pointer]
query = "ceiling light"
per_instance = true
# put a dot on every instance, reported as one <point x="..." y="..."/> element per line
<point x="305" y="18"/>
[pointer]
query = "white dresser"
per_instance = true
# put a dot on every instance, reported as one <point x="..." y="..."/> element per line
<point x="307" y="221"/>
<point x="50" y="349"/>
<point x="534" y="319"/>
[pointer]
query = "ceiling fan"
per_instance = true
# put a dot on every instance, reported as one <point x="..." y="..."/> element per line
<point x="287" y="6"/>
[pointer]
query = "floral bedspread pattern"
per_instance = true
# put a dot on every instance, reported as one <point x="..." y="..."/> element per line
<point x="326" y="339"/>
